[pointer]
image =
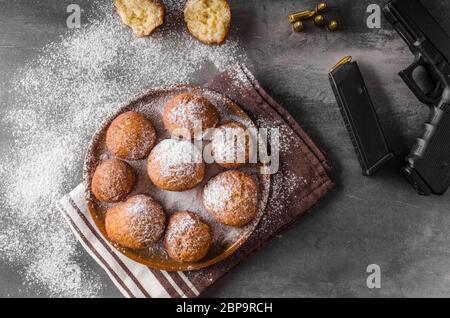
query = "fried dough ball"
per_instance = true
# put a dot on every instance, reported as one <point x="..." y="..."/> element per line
<point x="231" y="145"/>
<point x="231" y="198"/>
<point x="130" y="136"/>
<point x="176" y="165"/>
<point x="186" y="112"/>
<point x="136" y="223"/>
<point x="187" y="238"/>
<point x="112" y="181"/>
<point x="208" y="20"/>
<point x="143" y="16"/>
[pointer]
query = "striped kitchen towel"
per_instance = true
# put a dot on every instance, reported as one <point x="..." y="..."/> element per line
<point x="300" y="182"/>
<point x="132" y="279"/>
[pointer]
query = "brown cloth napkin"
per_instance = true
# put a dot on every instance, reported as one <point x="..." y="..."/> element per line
<point x="300" y="182"/>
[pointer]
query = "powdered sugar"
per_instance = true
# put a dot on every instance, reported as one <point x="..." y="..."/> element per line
<point x="176" y="157"/>
<point x="189" y="109"/>
<point x="57" y="101"/>
<point x="182" y="224"/>
<point x="216" y="195"/>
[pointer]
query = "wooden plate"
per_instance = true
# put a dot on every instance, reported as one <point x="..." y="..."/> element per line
<point x="226" y="239"/>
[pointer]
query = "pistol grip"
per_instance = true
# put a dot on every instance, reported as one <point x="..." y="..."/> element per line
<point x="408" y="77"/>
<point x="428" y="165"/>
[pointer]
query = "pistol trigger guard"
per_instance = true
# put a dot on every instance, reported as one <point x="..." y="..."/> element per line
<point x="437" y="92"/>
<point x="408" y="77"/>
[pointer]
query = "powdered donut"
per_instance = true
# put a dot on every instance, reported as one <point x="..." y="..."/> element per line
<point x="135" y="223"/>
<point x="143" y="16"/>
<point x="187" y="238"/>
<point x="176" y="165"/>
<point x="183" y="112"/>
<point x="231" y="198"/>
<point x="113" y="180"/>
<point x="208" y="20"/>
<point x="231" y="145"/>
<point x="130" y="136"/>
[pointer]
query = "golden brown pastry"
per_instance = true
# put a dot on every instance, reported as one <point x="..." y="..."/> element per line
<point x="231" y="198"/>
<point x="176" y="165"/>
<point x="143" y="16"/>
<point x="136" y="223"/>
<point x="187" y="238"/>
<point x="130" y="136"/>
<point x="185" y="111"/>
<point x="208" y="20"/>
<point x="112" y="181"/>
<point x="231" y="145"/>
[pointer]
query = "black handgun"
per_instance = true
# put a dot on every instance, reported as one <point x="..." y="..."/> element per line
<point x="428" y="165"/>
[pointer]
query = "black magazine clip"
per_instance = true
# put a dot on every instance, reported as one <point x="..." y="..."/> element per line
<point x="359" y="116"/>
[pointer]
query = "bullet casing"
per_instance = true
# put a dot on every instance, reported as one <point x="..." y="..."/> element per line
<point x="302" y="15"/>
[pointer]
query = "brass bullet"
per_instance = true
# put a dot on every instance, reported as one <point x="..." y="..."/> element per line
<point x="321" y="7"/>
<point x="332" y="26"/>
<point x="319" y="20"/>
<point x="343" y="61"/>
<point x="298" y="26"/>
<point x="302" y="15"/>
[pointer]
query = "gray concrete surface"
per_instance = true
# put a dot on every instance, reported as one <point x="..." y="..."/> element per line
<point x="378" y="220"/>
